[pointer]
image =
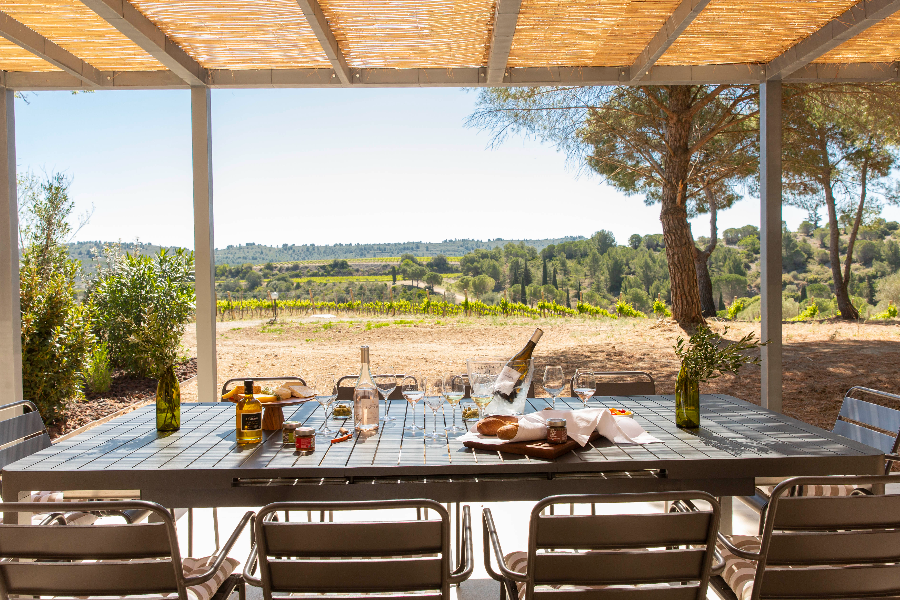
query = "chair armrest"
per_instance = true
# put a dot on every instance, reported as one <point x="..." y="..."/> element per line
<point x="718" y="565"/>
<point x="737" y="551"/>
<point x="249" y="567"/>
<point x="54" y="517"/>
<point x="892" y="457"/>
<point x="466" y="564"/>
<point x="492" y="541"/>
<point x="221" y="554"/>
<point x="757" y="502"/>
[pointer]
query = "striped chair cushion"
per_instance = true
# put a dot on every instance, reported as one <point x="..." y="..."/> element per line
<point x="740" y="572"/>
<point x="814" y="490"/>
<point x="197" y="566"/>
<point x="517" y="561"/>
<point x="73" y="518"/>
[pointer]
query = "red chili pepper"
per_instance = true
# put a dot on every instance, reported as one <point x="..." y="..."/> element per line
<point x="342" y="439"/>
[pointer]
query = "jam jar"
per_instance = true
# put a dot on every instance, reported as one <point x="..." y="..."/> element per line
<point x="556" y="431"/>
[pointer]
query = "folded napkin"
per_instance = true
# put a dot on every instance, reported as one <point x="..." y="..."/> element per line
<point x="580" y="424"/>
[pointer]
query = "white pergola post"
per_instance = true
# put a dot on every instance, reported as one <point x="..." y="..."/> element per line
<point x="204" y="240"/>
<point x="770" y="240"/>
<point x="10" y="313"/>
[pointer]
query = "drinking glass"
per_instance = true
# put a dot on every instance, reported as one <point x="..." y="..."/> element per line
<point x="434" y="402"/>
<point x="386" y="384"/>
<point x="554" y="382"/>
<point x="482" y="391"/>
<point x="326" y="393"/>
<point x="584" y="386"/>
<point x="413" y="389"/>
<point x="453" y="388"/>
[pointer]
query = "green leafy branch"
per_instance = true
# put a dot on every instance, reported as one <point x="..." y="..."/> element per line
<point x="705" y="357"/>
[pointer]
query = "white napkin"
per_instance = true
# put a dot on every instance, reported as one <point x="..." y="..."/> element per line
<point x="579" y="425"/>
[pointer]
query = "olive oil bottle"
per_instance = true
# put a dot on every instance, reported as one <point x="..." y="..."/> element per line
<point x="249" y="416"/>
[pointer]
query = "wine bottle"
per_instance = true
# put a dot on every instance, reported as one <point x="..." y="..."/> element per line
<point x="249" y="416"/>
<point x="365" y="396"/>
<point x="516" y="370"/>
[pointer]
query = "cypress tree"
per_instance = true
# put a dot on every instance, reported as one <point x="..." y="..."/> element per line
<point x="568" y="301"/>
<point x="803" y="293"/>
<point x="554" y="278"/>
<point x="544" y="274"/>
<point x="721" y="302"/>
<point x="394" y="274"/>
<point x="870" y="290"/>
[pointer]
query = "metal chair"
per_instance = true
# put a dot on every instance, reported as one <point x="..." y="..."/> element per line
<point x="357" y="559"/>
<point x="345" y="392"/>
<point x="622" y="388"/>
<point x="862" y="422"/>
<point x="23" y="435"/>
<point x="110" y="560"/>
<point x="818" y="547"/>
<point x="595" y="556"/>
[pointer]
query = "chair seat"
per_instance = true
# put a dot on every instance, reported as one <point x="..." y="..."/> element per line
<point x="517" y="561"/>
<point x="197" y="566"/>
<point x="740" y="572"/>
<point x="814" y="490"/>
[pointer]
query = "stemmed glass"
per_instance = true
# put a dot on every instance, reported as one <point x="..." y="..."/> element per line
<point x="554" y="382"/>
<point x="453" y="388"/>
<point x="413" y="389"/>
<point x="434" y="402"/>
<point x="326" y="393"/>
<point x="386" y="385"/>
<point x="482" y="391"/>
<point x="584" y="386"/>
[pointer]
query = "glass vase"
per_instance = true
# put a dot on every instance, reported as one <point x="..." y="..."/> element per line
<point x="168" y="401"/>
<point x="687" y="401"/>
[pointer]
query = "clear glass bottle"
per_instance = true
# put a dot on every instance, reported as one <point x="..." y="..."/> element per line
<point x="249" y="416"/>
<point x="365" y="396"/>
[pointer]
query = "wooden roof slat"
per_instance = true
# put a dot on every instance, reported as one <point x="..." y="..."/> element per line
<point x="856" y="20"/>
<point x="320" y="26"/>
<point x="33" y="42"/>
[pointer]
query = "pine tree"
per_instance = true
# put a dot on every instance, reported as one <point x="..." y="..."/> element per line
<point x="554" y="278"/>
<point x="721" y="302"/>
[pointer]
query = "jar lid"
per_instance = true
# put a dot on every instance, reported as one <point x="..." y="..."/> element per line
<point x="290" y="425"/>
<point x="556" y="422"/>
<point x="305" y="431"/>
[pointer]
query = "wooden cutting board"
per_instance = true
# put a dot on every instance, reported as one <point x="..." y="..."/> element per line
<point x="535" y="449"/>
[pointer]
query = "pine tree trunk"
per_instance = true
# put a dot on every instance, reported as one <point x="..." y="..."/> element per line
<point x="701" y="259"/>
<point x="848" y="311"/>
<point x="680" y="247"/>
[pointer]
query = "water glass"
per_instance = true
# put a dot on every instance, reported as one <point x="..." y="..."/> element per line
<point x="482" y="391"/>
<point x="326" y="393"/>
<point x="583" y="385"/>
<point x="434" y="402"/>
<point x="386" y="384"/>
<point x="554" y="382"/>
<point x="413" y="389"/>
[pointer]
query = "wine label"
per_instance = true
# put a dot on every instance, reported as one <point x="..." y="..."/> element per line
<point x="506" y="381"/>
<point x="251" y="421"/>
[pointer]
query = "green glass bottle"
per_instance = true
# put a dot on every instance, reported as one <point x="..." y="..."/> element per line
<point x="168" y="401"/>
<point x="687" y="400"/>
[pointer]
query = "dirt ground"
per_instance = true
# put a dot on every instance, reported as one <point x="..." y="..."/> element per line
<point x="821" y="359"/>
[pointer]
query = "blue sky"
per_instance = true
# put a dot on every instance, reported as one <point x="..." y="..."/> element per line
<point x="319" y="166"/>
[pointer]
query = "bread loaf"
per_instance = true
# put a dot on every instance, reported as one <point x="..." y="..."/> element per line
<point x="508" y="432"/>
<point x="490" y="425"/>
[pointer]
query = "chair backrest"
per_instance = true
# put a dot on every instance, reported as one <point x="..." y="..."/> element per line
<point x="870" y="424"/>
<point x="22" y="435"/>
<point x="90" y="560"/>
<point x="623" y="549"/>
<point x="807" y="538"/>
<point x="608" y="383"/>
<point x="357" y="558"/>
<point x="256" y="380"/>
<point x="348" y="382"/>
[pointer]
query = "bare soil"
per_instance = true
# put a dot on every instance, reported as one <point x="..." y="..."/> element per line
<point x="821" y="359"/>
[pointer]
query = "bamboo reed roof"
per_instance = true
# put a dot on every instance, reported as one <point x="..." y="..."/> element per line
<point x="259" y="43"/>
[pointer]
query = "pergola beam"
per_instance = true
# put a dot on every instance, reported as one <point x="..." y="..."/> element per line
<point x="683" y="16"/>
<point x="319" y="24"/>
<point x="506" y="16"/>
<point x="837" y="31"/>
<point x="30" y="40"/>
<point x="150" y="38"/>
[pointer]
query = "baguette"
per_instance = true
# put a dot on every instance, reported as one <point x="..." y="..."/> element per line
<point x="490" y="425"/>
<point x="508" y="432"/>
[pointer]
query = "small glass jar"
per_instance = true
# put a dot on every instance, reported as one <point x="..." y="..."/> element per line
<point x="305" y="440"/>
<point x="288" y="430"/>
<point x="556" y="431"/>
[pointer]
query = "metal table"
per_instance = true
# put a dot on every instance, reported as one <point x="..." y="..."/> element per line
<point x="201" y="466"/>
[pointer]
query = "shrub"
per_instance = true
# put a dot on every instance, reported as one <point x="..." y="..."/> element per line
<point x="810" y="312"/>
<point x="736" y="307"/>
<point x="97" y="376"/>
<point x="56" y="330"/>
<point x="818" y="290"/>
<point x="625" y="309"/>
<point x="729" y="286"/>
<point x="660" y="309"/>
<point x="866" y="251"/>
<point x="141" y="306"/>
<point x="890" y="313"/>
<point x="639" y="299"/>
<point x="888" y="289"/>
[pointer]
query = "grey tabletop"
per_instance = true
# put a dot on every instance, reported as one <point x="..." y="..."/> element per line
<point x="201" y="465"/>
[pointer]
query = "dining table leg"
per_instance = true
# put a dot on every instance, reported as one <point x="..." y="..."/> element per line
<point x="727" y="515"/>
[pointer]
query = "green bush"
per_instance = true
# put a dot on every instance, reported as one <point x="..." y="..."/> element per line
<point x="56" y="329"/>
<point x="625" y="309"/>
<point x="141" y="306"/>
<point x="660" y="309"/>
<point x="810" y="312"/>
<point x="97" y="376"/>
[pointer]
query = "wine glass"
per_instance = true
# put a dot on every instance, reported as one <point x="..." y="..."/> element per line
<point x="583" y="385"/>
<point x="386" y="384"/>
<point x="326" y="393"/>
<point x="482" y="391"/>
<point x="554" y="382"/>
<point x="413" y="389"/>
<point x="453" y="388"/>
<point x="434" y="402"/>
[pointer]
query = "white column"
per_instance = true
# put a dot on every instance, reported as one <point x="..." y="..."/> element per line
<point x="10" y="313"/>
<point x="770" y="240"/>
<point x="204" y="240"/>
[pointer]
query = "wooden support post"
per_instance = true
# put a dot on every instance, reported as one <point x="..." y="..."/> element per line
<point x="204" y="240"/>
<point x="10" y="313"/>
<point x="770" y="241"/>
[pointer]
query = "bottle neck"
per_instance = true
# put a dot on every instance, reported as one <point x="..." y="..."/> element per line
<point x="365" y="374"/>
